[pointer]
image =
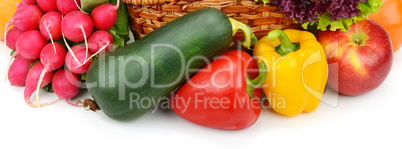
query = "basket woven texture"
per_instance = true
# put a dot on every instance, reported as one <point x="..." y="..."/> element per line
<point x="148" y="15"/>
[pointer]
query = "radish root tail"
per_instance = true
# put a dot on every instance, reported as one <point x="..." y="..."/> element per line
<point x="76" y="4"/>
<point x="73" y="104"/>
<point x="50" y="36"/>
<point x="117" y="5"/>
<point x="42" y="74"/>
<point x="9" y="63"/>
<point x="69" y="49"/>
<point x="85" y="39"/>
<point x="41" y="105"/>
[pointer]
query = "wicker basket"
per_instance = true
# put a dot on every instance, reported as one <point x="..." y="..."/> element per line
<point x="148" y="15"/>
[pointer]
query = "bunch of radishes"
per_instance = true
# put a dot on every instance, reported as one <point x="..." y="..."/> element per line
<point x="36" y="25"/>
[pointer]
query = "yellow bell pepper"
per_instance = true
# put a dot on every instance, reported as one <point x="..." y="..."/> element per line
<point x="298" y="70"/>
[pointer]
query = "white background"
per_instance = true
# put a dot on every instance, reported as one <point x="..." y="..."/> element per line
<point x="370" y="120"/>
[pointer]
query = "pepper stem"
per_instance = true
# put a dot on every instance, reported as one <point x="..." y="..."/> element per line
<point x="286" y="45"/>
<point x="257" y="82"/>
<point x="236" y="25"/>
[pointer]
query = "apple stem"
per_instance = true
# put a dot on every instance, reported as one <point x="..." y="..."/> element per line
<point x="286" y="45"/>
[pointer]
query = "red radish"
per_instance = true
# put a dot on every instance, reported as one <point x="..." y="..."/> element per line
<point x="28" y="2"/>
<point x="66" y="85"/>
<point x="28" y="45"/>
<point x="12" y="36"/>
<point x="66" y="6"/>
<point x="104" y="15"/>
<point x="50" y="25"/>
<point x="18" y="71"/>
<point x="26" y="17"/>
<point x="76" y="26"/>
<point x="82" y="55"/>
<point x="47" y="5"/>
<point x="99" y="39"/>
<point x="32" y="80"/>
<point x="52" y="57"/>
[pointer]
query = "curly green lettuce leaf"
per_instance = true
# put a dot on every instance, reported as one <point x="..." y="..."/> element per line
<point x="324" y="20"/>
<point x="371" y="6"/>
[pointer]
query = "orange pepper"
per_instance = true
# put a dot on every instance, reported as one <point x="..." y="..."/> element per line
<point x="390" y="17"/>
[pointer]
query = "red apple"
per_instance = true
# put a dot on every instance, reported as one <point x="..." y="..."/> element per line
<point x="359" y="60"/>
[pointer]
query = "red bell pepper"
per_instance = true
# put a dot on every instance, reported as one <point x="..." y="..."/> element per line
<point x="222" y="95"/>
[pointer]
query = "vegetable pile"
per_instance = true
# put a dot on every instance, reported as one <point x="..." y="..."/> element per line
<point x="55" y="41"/>
<point x="59" y="47"/>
